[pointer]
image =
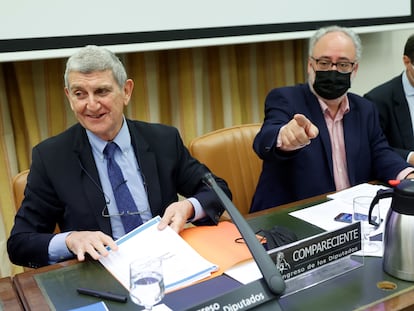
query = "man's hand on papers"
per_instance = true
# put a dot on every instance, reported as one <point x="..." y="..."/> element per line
<point x="94" y="243"/>
<point x="182" y="265"/>
<point x="176" y="215"/>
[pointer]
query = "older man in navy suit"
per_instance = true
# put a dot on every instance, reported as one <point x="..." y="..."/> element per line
<point x="69" y="181"/>
<point x="317" y="137"/>
<point x="395" y="102"/>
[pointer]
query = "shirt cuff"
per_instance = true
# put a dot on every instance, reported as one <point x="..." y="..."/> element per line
<point x="404" y="173"/>
<point x="58" y="251"/>
<point x="409" y="156"/>
<point x="199" y="212"/>
<point x="278" y="139"/>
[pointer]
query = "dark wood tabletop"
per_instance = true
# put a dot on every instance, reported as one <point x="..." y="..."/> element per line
<point x="28" y="290"/>
<point x="9" y="299"/>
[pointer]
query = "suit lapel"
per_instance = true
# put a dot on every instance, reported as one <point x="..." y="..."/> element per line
<point x="319" y="119"/>
<point x="90" y="181"/>
<point x="402" y="113"/>
<point x="147" y="163"/>
<point x="352" y="138"/>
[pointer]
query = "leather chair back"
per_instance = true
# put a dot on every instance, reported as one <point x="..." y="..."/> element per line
<point x="229" y="154"/>
<point x="19" y="184"/>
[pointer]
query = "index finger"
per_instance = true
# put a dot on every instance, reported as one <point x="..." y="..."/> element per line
<point x="310" y="129"/>
<point x="301" y="120"/>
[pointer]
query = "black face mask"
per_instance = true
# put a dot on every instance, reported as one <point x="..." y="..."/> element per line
<point x="331" y="84"/>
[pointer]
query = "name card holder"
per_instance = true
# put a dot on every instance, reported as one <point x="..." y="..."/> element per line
<point x="310" y="261"/>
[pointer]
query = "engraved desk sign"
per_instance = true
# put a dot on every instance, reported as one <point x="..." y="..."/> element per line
<point x="310" y="261"/>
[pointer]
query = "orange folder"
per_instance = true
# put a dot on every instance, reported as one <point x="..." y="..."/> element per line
<point x="217" y="244"/>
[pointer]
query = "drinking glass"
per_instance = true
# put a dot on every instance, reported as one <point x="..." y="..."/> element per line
<point x="146" y="281"/>
<point x="361" y="207"/>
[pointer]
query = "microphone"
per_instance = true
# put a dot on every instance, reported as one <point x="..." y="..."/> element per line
<point x="270" y="273"/>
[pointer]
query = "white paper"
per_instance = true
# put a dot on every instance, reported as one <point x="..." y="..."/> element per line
<point x="364" y="189"/>
<point x="182" y="265"/>
<point x="322" y="215"/>
<point x="245" y="272"/>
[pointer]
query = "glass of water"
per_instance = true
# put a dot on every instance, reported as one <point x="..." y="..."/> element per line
<point x="146" y="281"/>
<point x="361" y="210"/>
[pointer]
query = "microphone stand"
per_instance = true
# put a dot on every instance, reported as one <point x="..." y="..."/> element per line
<point x="270" y="273"/>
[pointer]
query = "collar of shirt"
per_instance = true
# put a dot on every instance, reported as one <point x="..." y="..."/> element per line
<point x="122" y="139"/>
<point x="343" y="108"/>
<point x="408" y="88"/>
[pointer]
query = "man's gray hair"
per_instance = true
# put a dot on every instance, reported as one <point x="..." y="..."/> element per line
<point x="93" y="58"/>
<point x="350" y="33"/>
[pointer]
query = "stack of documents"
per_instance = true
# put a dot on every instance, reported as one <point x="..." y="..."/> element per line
<point x="182" y="265"/>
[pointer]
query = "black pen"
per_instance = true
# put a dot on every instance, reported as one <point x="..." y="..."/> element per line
<point x="103" y="295"/>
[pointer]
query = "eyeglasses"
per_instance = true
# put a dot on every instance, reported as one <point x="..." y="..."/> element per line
<point x="327" y="64"/>
<point x="259" y="235"/>
<point x="105" y="211"/>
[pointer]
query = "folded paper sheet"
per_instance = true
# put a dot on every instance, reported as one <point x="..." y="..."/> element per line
<point x="182" y="265"/>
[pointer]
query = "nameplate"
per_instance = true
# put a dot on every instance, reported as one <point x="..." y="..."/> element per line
<point x="306" y="255"/>
<point x="245" y="297"/>
<point x="292" y="260"/>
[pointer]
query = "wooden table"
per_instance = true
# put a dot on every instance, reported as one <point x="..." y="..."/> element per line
<point x="9" y="299"/>
<point x="33" y="298"/>
<point x="29" y="292"/>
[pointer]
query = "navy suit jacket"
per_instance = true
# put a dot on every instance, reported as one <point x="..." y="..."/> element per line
<point x="292" y="176"/>
<point x="63" y="187"/>
<point x="394" y="114"/>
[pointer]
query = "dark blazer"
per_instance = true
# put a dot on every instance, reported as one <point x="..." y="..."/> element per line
<point x="394" y="114"/>
<point x="63" y="187"/>
<point x="291" y="176"/>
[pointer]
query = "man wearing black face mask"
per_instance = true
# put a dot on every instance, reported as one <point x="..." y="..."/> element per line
<point x="317" y="137"/>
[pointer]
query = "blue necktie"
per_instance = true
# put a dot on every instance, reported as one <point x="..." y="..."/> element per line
<point x="124" y="201"/>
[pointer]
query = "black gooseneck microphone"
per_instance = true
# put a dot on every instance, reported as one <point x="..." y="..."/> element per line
<point x="266" y="265"/>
